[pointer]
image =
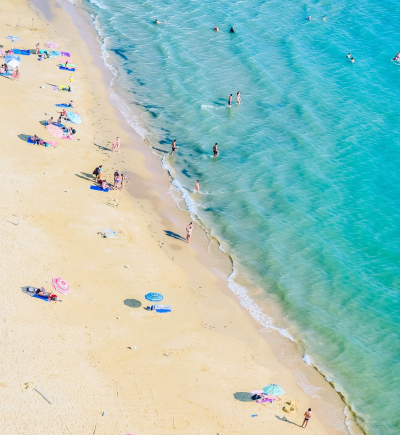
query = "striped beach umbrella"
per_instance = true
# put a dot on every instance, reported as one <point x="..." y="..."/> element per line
<point x="154" y="297"/>
<point x="52" y="44"/>
<point x="61" y="286"/>
<point x="55" y="131"/>
<point x="273" y="389"/>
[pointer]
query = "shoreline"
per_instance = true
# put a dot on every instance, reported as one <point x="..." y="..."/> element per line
<point x="352" y="420"/>
<point x="145" y="178"/>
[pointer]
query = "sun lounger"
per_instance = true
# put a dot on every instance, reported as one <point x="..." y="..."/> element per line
<point x="99" y="188"/>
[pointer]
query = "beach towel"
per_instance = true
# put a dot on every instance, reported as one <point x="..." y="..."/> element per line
<point x="66" y="69"/>
<point x="23" y="52"/>
<point x="31" y="292"/>
<point x="65" y="54"/>
<point x="162" y="308"/>
<point x="31" y="141"/>
<point x="64" y="106"/>
<point x="99" y="188"/>
<point x="70" y="65"/>
<point x="6" y="74"/>
<point x="43" y="51"/>
<point x="64" y="88"/>
<point x="109" y="234"/>
<point x="54" y="53"/>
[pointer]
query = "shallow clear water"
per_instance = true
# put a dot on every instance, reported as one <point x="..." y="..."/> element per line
<point x="305" y="191"/>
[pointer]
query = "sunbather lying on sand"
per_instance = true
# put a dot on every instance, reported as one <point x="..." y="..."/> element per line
<point x="42" y="292"/>
<point x="35" y="139"/>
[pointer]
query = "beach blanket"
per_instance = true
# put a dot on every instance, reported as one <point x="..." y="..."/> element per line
<point x="70" y="65"/>
<point x="34" y="295"/>
<point x="6" y="74"/>
<point x="65" y="54"/>
<point x="162" y="308"/>
<point x="54" y="53"/>
<point x="44" y="51"/>
<point x="64" y="88"/>
<point x="31" y="141"/>
<point x="64" y="106"/>
<point x="23" y="52"/>
<point x="66" y="69"/>
<point x="109" y="234"/>
<point x="99" y="188"/>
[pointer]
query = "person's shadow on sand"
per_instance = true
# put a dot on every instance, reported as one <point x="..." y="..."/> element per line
<point x="86" y="176"/>
<point x="286" y="420"/>
<point x="174" y="235"/>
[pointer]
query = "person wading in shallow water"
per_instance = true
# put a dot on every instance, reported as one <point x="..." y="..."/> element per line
<point x="307" y="416"/>
<point x="173" y="147"/>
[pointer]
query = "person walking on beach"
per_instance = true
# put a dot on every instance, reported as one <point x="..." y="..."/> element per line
<point x="197" y="187"/>
<point x="97" y="172"/>
<point x="215" y="150"/>
<point x="238" y="98"/>
<point x="116" y="145"/>
<point x="117" y="178"/>
<point x="307" y="416"/>
<point x="230" y="100"/>
<point x="37" y="48"/>
<point x="173" y="147"/>
<point x="189" y="230"/>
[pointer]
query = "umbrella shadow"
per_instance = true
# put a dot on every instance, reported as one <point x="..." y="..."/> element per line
<point x="243" y="396"/>
<point x="85" y="176"/>
<point x="44" y="123"/>
<point x="133" y="303"/>
<point x="174" y="235"/>
<point x="286" y="420"/>
<point x="25" y="137"/>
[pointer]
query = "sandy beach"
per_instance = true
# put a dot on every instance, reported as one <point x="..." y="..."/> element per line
<point x="185" y="366"/>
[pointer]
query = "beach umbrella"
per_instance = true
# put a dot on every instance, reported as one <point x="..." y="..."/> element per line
<point x="13" y="63"/>
<point x="74" y="117"/>
<point x="61" y="286"/>
<point x="154" y="297"/>
<point x="13" y="38"/>
<point x="52" y="44"/>
<point x="8" y="57"/>
<point x="55" y="131"/>
<point x="273" y="389"/>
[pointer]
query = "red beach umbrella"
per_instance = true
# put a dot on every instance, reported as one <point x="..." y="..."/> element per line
<point x="55" y="131"/>
<point x="61" y="286"/>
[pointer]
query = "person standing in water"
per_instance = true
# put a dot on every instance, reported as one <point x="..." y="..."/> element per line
<point x="323" y="18"/>
<point x="348" y="56"/>
<point x="189" y="230"/>
<point x="307" y="416"/>
<point x="232" y="30"/>
<point x="352" y="60"/>
<point x="173" y="147"/>
<point x="230" y="100"/>
<point x="238" y="99"/>
<point x="216" y="29"/>
<point x="215" y="150"/>
<point x="197" y="187"/>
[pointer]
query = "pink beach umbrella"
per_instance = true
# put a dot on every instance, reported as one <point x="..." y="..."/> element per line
<point x="55" y="131"/>
<point x="52" y="44"/>
<point x="61" y="286"/>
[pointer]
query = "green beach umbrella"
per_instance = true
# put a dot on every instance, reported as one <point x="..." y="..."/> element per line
<point x="273" y="389"/>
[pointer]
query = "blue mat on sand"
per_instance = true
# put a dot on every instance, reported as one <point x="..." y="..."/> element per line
<point x="31" y="141"/>
<point x="99" y="188"/>
<point x="66" y="69"/>
<point x="43" y="298"/>
<point x="65" y="106"/>
<point x="23" y="52"/>
<point x="6" y="74"/>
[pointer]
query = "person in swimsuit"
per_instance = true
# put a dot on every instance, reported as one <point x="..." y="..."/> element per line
<point x="173" y="147"/>
<point x="348" y="56"/>
<point x="309" y="18"/>
<point x="117" y="179"/>
<point x="37" y="48"/>
<point x="197" y="187"/>
<point x="71" y="104"/>
<point x="323" y="18"/>
<point x="397" y="57"/>
<point x="238" y="99"/>
<point x="216" y="29"/>
<point x="230" y="100"/>
<point x="50" y="121"/>
<point x="232" y="30"/>
<point x="215" y="150"/>
<point x="116" y="145"/>
<point x="97" y="172"/>
<point x="352" y="60"/>
<point x="307" y="416"/>
<point x="189" y="230"/>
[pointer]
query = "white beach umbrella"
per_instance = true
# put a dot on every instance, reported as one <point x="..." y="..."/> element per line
<point x="14" y="63"/>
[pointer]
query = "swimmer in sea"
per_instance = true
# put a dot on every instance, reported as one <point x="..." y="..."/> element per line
<point x="215" y="150"/>
<point x="323" y="18"/>
<point x="216" y="29"/>
<point x="309" y="18"/>
<point x="159" y="22"/>
<point x="397" y="57"/>
<point x="232" y="30"/>
<point x="197" y="187"/>
<point x="230" y="100"/>
<point x="348" y="56"/>
<point x="238" y="98"/>
<point x="173" y="147"/>
<point x="352" y="60"/>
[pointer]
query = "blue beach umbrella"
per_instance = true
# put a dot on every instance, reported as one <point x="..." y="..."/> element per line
<point x="154" y="297"/>
<point x="74" y="117"/>
<point x="13" y="38"/>
<point x="273" y="389"/>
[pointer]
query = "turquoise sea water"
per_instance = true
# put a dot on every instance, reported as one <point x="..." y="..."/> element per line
<point x="304" y="194"/>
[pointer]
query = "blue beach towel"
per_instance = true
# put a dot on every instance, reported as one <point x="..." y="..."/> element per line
<point x="162" y="308"/>
<point x="66" y="69"/>
<point x="6" y="74"/>
<point x="99" y="188"/>
<point x="64" y="106"/>
<point x="43" y="298"/>
<point x="23" y="52"/>
<point x="31" y="141"/>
